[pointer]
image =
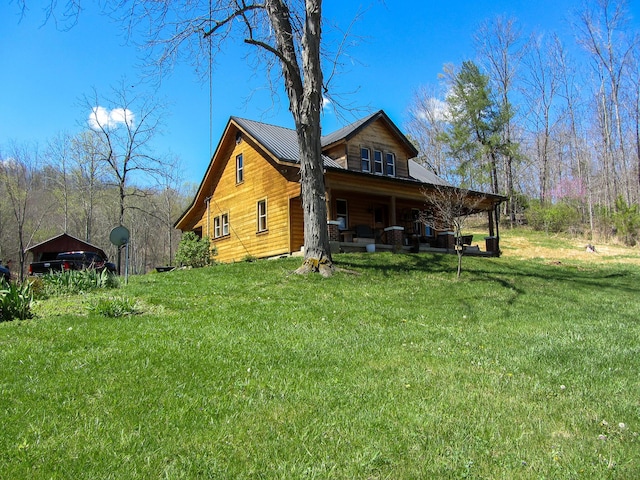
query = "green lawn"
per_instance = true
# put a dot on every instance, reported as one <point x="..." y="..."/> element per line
<point x="522" y="369"/>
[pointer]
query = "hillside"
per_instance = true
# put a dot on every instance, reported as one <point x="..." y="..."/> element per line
<point x="525" y="368"/>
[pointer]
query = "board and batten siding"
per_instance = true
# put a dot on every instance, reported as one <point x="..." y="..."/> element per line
<point x="263" y="180"/>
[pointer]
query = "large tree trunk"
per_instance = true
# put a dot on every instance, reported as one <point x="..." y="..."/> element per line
<point x="304" y="89"/>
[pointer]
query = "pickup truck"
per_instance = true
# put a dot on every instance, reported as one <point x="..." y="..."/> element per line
<point x="72" y="261"/>
<point x="5" y="274"/>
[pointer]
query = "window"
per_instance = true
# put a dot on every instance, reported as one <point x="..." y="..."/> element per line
<point x="239" y="169"/>
<point x="217" y="232"/>
<point x="225" y="224"/>
<point x="221" y="225"/>
<point x="377" y="162"/>
<point x="341" y="214"/>
<point x="365" y="157"/>
<point x="391" y="164"/>
<point x="262" y="216"/>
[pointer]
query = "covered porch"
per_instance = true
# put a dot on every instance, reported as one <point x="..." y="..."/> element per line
<point x="374" y="221"/>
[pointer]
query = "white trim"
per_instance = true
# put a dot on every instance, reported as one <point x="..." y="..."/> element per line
<point x="368" y="159"/>
<point x="376" y="163"/>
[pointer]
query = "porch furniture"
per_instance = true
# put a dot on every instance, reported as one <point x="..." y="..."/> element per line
<point x="466" y="239"/>
<point x="346" y="235"/>
<point x="363" y="231"/>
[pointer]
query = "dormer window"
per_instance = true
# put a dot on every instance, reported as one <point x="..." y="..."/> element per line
<point x="365" y="159"/>
<point x="377" y="162"/>
<point x="391" y="164"/>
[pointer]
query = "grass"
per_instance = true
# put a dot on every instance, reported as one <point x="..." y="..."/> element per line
<point x="522" y="369"/>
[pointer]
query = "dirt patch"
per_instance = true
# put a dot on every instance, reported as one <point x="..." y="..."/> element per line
<point x="521" y="247"/>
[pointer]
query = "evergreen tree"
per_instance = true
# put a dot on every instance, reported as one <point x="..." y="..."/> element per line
<point x="476" y="122"/>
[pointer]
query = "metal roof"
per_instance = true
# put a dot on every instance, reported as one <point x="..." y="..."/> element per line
<point x="424" y="175"/>
<point x="280" y="141"/>
<point x="283" y="144"/>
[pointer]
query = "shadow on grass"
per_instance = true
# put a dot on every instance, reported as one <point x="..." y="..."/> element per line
<point x="508" y="273"/>
<point x="394" y="263"/>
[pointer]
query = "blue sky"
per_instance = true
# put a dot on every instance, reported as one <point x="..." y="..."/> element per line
<point x="396" y="47"/>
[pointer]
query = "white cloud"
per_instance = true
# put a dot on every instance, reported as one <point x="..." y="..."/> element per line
<point x="101" y="117"/>
<point x="326" y="104"/>
<point x="432" y="110"/>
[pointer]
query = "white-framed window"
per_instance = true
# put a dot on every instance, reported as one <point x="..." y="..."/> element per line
<point x="377" y="162"/>
<point x="262" y="215"/>
<point x="365" y="159"/>
<point x="217" y="230"/>
<point x="221" y="225"/>
<point x="225" y="223"/>
<point x="342" y="214"/>
<point x="390" y="164"/>
<point x="239" y="168"/>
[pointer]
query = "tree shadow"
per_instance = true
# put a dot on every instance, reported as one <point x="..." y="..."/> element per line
<point x="507" y="274"/>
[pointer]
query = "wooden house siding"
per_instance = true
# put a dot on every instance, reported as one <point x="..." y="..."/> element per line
<point x="263" y="180"/>
<point x="339" y="154"/>
<point x="377" y="136"/>
<point x="296" y="215"/>
<point x="272" y="174"/>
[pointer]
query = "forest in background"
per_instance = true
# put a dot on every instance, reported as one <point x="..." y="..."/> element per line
<point x="554" y="126"/>
<point x="86" y="184"/>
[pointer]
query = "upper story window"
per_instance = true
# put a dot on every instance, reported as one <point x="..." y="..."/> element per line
<point x="391" y="164"/>
<point x="262" y="216"/>
<point x="377" y="162"/>
<point x="365" y="158"/>
<point x="239" y="168"/>
<point x="382" y="163"/>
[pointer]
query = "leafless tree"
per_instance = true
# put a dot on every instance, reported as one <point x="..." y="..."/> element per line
<point x="283" y="32"/>
<point x="540" y="90"/>
<point x="22" y="181"/>
<point x="427" y="123"/>
<point x="449" y="208"/>
<point x="87" y="176"/>
<point x="126" y="124"/>
<point x="501" y="48"/>
<point x="602" y="31"/>
<point x="58" y="154"/>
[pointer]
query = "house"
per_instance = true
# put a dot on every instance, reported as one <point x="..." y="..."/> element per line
<point x="249" y="202"/>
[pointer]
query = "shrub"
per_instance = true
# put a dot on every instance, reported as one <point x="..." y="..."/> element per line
<point x="114" y="307"/>
<point x="627" y="221"/>
<point x="557" y="217"/>
<point x="15" y="301"/>
<point x="77" y="281"/>
<point x="194" y="251"/>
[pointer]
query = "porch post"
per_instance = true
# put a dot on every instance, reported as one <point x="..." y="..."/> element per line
<point x="392" y="214"/>
<point x="490" y="214"/>
<point x="334" y="232"/>
<point x="395" y="235"/>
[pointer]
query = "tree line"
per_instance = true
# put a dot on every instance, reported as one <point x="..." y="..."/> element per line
<point x="86" y="184"/>
<point x="552" y="125"/>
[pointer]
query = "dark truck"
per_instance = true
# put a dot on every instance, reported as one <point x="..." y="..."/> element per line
<point x="5" y="273"/>
<point x="72" y="261"/>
